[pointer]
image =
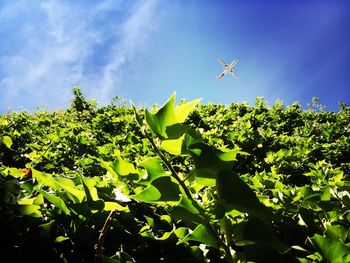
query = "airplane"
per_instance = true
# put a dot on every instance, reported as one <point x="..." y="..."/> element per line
<point x="228" y="68"/>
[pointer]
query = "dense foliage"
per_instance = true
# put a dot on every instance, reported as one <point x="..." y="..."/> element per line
<point x="191" y="183"/>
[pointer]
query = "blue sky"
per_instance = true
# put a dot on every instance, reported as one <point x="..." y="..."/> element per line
<point x="145" y="50"/>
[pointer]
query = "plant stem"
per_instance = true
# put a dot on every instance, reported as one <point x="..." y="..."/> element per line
<point x="228" y="255"/>
<point x="206" y="219"/>
<point x="168" y="165"/>
<point x="101" y="238"/>
<point x="206" y="222"/>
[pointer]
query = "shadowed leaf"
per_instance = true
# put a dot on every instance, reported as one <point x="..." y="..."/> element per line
<point x="202" y="235"/>
<point x="236" y="194"/>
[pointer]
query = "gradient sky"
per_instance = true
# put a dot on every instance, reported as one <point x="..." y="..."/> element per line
<point x="145" y="50"/>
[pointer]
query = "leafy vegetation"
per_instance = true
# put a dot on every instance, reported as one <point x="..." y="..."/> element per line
<point x="185" y="183"/>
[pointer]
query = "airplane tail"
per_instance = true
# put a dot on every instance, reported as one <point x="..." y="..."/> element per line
<point x="220" y="77"/>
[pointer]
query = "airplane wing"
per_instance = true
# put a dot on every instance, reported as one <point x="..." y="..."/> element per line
<point x="233" y="63"/>
<point x="234" y="74"/>
<point x="223" y="63"/>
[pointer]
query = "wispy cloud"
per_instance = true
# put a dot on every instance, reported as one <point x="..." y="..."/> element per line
<point x="133" y="33"/>
<point x="50" y="46"/>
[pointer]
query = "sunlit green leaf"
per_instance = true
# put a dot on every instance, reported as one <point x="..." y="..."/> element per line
<point x="122" y="167"/>
<point x="30" y="210"/>
<point x="163" y="118"/>
<point x="53" y="137"/>
<point x="336" y="232"/>
<point x="173" y="146"/>
<point x="61" y="239"/>
<point x="162" y="189"/>
<point x="7" y="141"/>
<point x="46" y="179"/>
<point x="109" y="167"/>
<point x="15" y="172"/>
<point x="167" y="121"/>
<point x="182" y="111"/>
<point x="79" y="194"/>
<point x="89" y="189"/>
<point x="55" y="200"/>
<point x="3" y="122"/>
<point x="333" y="251"/>
<point x="166" y="218"/>
<point x="38" y="200"/>
<point x="65" y="181"/>
<point x="109" y="206"/>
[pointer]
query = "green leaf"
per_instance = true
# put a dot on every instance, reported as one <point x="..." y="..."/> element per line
<point x="177" y="130"/>
<point x="46" y="179"/>
<point x="109" y="206"/>
<point x="154" y="169"/>
<point x="137" y="117"/>
<point x="109" y="167"/>
<point x="162" y="189"/>
<point x="210" y="161"/>
<point x="121" y="166"/>
<point x="53" y="137"/>
<point x="180" y="145"/>
<point x="26" y="201"/>
<point x="333" y="251"/>
<point x="4" y="122"/>
<point x="86" y="208"/>
<point x="30" y="210"/>
<point x="173" y="146"/>
<point x="236" y="194"/>
<point x="202" y="235"/>
<point x="167" y="219"/>
<point x="89" y="193"/>
<point x="17" y="173"/>
<point x="204" y="181"/>
<point x="163" y="118"/>
<point x="55" y="200"/>
<point x="336" y="232"/>
<point x="79" y="194"/>
<point x="46" y="228"/>
<point x="166" y="122"/>
<point x="66" y="182"/>
<point x="326" y="195"/>
<point x="7" y="141"/>
<point x="181" y="232"/>
<point x="60" y="239"/>
<point x="182" y="111"/>
<point x="261" y="232"/>
<point x="187" y="210"/>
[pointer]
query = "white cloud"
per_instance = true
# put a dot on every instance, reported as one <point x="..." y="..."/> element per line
<point x="134" y="31"/>
<point x="58" y="44"/>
